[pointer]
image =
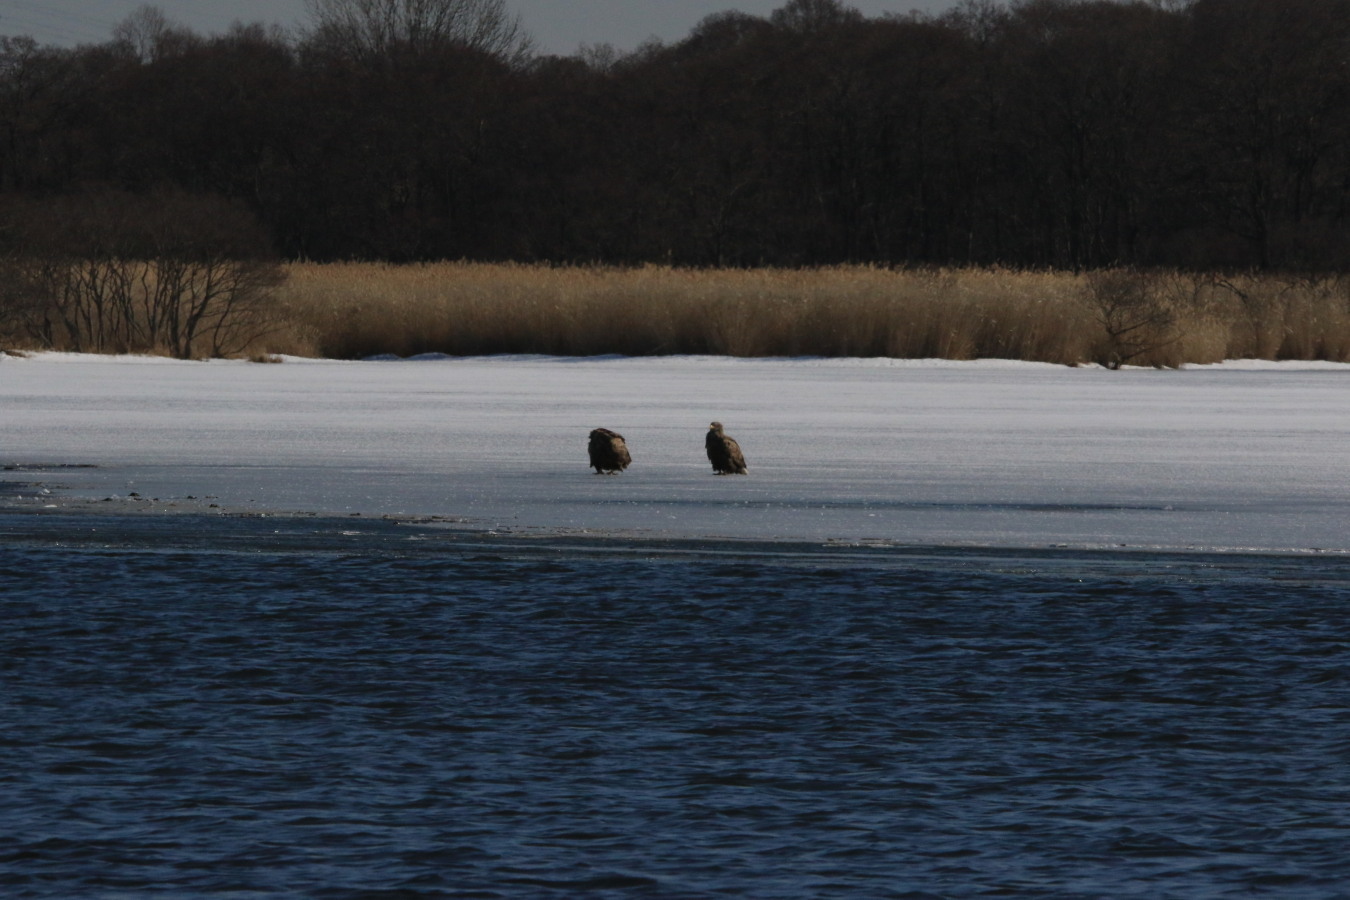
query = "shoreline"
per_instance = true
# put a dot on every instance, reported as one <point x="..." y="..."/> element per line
<point x="39" y="514"/>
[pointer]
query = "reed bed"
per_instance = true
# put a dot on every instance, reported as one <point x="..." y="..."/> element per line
<point x="1122" y="317"/>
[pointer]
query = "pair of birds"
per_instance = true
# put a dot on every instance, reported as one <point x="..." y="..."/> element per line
<point x="609" y="453"/>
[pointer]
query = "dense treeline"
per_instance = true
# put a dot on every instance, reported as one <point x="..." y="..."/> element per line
<point x="1048" y="133"/>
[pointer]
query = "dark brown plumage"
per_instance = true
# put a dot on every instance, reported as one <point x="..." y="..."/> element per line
<point x="609" y="453"/>
<point x="723" y="452"/>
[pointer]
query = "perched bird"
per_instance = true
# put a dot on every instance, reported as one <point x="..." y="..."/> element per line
<point x="723" y="452"/>
<point x="609" y="453"/>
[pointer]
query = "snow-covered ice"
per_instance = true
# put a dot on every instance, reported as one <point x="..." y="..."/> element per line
<point x="988" y="453"/>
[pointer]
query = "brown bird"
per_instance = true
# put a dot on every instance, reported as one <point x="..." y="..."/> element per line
<point x="723" y="452"/>
<point x="609" y="453"/>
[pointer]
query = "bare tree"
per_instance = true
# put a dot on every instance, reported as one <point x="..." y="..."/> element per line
<point x="147" y="34"/>
<point x="814" y="15"/>
<point x="370" y="30"/>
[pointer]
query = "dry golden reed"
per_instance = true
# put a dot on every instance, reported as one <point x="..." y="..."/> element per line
<point x="350" y="310"/>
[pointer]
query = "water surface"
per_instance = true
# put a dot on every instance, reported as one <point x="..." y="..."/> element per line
<point x="328" y="708"/>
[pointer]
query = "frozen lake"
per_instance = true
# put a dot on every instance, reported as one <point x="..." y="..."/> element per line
<point x="1243" y="456"/>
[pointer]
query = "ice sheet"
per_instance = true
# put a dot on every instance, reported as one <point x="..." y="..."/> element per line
<point x="989" y="453"/>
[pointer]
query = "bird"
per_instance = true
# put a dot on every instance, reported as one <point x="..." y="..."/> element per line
<point x="609" y="453"/>
<point x="723" y="452"/>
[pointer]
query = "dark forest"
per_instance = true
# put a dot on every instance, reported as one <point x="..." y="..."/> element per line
<point x="1045" y="134"/>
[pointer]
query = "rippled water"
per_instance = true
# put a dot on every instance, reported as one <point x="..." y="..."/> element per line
<point x="296" y="715"/>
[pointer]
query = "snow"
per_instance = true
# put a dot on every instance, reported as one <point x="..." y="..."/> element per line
<point x="1240" y="456"/>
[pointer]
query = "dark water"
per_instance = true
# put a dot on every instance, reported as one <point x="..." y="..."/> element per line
<point x="534" y="720"/>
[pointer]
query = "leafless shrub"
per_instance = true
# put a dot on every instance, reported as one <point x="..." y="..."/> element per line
<point x="115" y="272"/>
<point x="1316" y="317"/>
<point x="1137" y="320"/>
<point x="1288" y="316"/>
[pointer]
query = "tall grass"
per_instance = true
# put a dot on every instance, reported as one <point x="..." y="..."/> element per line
<point x="465" y="309"/>
<point x="1123" y="317"/>
<point x="1115" y="317"/>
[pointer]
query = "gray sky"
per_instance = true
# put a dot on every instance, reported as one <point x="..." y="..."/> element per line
<point x="558" y="26"/>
